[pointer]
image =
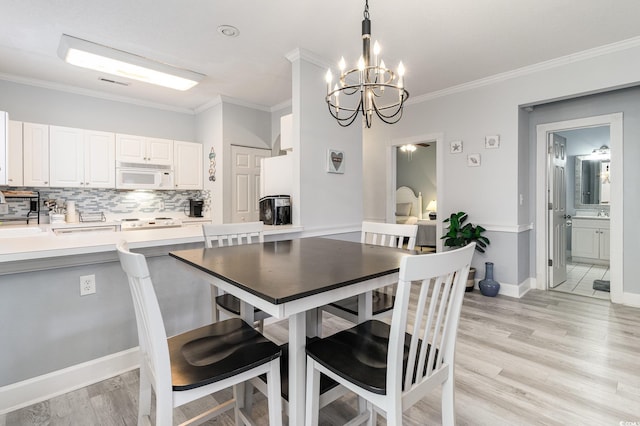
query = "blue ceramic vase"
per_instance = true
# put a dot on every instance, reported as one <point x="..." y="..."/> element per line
<point x="489" y="286"/>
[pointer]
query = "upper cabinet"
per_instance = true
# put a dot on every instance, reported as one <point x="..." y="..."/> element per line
<point x="14" y="163"/>
<point x="35" y="144"/>
<point x="188" y="165"/>
<point x="140" y="149"/>
<point x="81" y="158"/>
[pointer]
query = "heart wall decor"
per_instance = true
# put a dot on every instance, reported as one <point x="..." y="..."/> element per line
<point x="335" y="161"/>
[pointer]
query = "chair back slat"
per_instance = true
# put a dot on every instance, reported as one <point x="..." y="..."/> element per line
<point x="389" y="234"/>
<point x="432" y="322"/>
<point x="229" y="234"/>
<point x="152" y="335"/>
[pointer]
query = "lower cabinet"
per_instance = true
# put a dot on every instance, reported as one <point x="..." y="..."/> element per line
<point x="590" y="240"/>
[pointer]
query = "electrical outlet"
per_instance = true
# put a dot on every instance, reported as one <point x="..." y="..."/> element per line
<point x="4" y="208"/>
<point x="87" y="285"/>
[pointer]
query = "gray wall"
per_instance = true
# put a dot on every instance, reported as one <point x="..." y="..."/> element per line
<point x="625" y="101"/>
<point x="47" y="106"/>
<point x="45" y="325"/>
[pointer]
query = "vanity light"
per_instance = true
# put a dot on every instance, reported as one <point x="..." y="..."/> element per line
<point x="97" y="57"/>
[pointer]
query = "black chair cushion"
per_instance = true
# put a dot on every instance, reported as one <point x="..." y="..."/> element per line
<point x="326" y="383"/>
<point x="215" y="352"/>
<point x="359" y="354"/>
<point x="231" y="303"/>
<point x="380" y="302"/>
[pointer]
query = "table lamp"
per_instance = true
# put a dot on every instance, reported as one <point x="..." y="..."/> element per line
<point x="432" y="207"/>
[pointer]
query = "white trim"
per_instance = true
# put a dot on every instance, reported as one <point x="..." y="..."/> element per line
<point x="38" y="389"/>
<point x="615" y="123"/>
<point x="531" y="69"/>
<point x="504" y="228"/>
<point x="631" y="299"/>
<point x="334" y="230"/>
<point x="438" y="139"/>
<point x="91" y="93"/>
<point x="514" y="290"/>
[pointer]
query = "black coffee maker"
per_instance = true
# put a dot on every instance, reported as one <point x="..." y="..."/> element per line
<point x="195" y="207"/>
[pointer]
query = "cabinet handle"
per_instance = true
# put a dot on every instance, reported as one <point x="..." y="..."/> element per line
<point x="10" y="180"/>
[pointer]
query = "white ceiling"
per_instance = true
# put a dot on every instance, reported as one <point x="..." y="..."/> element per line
<point x="442" y="43"/>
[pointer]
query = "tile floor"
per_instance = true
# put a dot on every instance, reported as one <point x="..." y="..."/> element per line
<point x="580" y="278"/>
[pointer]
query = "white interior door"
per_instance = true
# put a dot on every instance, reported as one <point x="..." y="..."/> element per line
<point x="245" y="183"/>
<point x="557" y="209"/>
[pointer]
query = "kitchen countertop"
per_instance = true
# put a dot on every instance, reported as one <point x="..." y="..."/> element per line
<point x="46" y="244"/>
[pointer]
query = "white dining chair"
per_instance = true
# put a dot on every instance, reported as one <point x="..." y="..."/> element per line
<point x="197" y="363"/>
<point x="230" y="234"/>
<point x="382" y="234"/>
<point x="394" y="366"/>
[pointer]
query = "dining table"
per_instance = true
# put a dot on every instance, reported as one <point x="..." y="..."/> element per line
<point x="291" y="279"/>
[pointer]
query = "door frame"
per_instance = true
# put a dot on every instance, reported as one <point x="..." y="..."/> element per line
<point x="436" y="138"/>
<point x="615" y="123"/>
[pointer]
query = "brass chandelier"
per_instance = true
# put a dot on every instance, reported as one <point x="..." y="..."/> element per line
<point x="370" y="88"/>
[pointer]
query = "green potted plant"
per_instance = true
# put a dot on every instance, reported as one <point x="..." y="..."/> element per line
<point x="459" y="234"/>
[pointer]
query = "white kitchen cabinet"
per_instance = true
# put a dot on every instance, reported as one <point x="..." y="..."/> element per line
<point x="14" y="162"/>
<point x="81" y="158"/>
<point x="35" y="144"/>
<point x="590" y="239"/>
<point x="188" y="165"/>
<point x="141" y="149"/>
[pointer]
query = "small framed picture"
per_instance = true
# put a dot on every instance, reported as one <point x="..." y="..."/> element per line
<point x="455" y="147"/>
<point x="492" y="142"/>
<point x="335" y="161"/>
<point x="473" y="160"/>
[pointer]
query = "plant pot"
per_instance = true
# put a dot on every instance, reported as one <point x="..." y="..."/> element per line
<point x="471" y="280"/>
<point x="488" y="286"/>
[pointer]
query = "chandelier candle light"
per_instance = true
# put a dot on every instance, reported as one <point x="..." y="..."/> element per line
<point x="369" y="88"/>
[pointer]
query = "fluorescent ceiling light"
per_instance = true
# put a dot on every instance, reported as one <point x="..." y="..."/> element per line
<point x="97" y="57"/>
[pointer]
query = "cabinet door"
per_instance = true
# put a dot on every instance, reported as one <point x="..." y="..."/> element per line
<point x="605" y="236"/>
<point x="35" y="144"/>
<point x="66" y="157"/>
<point x="188" y="165"/>
<point x="99" y="159"/>
<point x="160" y="151"/>
<point x="585" y="242"/>
<point x="131" y="149"/>
<point x="14" y="162"/>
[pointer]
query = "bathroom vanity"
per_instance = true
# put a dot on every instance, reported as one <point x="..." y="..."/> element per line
<point x="590" y="239"/>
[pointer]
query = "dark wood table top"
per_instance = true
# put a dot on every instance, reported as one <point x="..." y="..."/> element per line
<point x="282" y="271"/>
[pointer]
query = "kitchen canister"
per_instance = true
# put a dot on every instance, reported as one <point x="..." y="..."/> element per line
<point x="71" y="217"/>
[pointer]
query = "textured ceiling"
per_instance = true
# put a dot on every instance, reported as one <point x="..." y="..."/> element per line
<point x="442" y="43"/>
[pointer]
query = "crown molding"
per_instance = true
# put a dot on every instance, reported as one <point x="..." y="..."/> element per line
<point x="91" y="93"/>
<point x="308" y="56"/>
<point x="531" y="69"/>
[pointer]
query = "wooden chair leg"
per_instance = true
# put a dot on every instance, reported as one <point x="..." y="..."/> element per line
<point x="313" y="394"/>
<point x="144" y="397"/>
<point x="448" y="402"/>
<point x="274" y="394"/>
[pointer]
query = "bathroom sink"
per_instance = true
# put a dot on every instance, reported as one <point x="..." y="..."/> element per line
<point x="21" y="231"/>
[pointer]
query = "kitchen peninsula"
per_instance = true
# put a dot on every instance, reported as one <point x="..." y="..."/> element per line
<point x="56" y="340"/>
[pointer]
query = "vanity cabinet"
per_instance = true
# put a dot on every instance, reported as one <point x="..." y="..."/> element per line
<point x="590" y="240"/>
<point x="81" y="158"/>
<point x="188" y="165"/>
<point x="141" y="149"/>
<point x="35" y="145"/>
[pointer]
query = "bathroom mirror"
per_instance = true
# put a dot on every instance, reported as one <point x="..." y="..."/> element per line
<point x="592" y="181"/>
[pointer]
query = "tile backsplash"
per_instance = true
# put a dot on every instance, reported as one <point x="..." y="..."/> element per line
<point x="111" y="201"/>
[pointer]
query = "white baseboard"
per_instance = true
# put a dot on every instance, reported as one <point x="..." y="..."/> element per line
<point x="38" y="389"/>
<point x="631" y="299"/>
<point x="515" y="290"/>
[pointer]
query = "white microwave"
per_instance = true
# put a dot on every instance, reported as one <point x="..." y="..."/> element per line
<point x="144" y="176"/>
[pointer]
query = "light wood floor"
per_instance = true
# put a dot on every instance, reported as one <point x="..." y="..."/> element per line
<point x="547" y="359"/>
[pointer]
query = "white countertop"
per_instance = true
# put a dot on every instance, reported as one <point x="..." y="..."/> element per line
<point x="46" y="244"/>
